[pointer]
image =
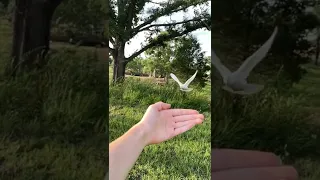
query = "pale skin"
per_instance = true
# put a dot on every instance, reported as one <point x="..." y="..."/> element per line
<point x="231" y="164"/>
<point x="159" y="123"/>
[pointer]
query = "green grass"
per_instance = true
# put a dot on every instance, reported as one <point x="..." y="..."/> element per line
<point x="186" y="156"/>
<point x="273" y="121"/>
<point x="53" y="121"/>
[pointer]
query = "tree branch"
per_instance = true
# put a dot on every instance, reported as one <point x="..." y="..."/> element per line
<point x="167" y="24"/>
<point x="112" y="41"/>
<point x="170" y="9"/>
<point x="159" y="41"/>
<point x="112" y="51"/>
<point x="130" y="13"/>
<point x="155" y="17"/>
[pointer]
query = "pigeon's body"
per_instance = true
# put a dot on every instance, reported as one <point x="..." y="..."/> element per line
<point x="236" y="82"/>
<point x="184" y="87"/>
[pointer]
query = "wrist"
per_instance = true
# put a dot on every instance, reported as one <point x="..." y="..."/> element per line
<point x="142" y="133"/>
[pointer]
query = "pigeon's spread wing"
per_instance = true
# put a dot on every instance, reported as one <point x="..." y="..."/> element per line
<point x="255" y="58"/>
<point x="224" y="72"/>
<point x="190" y="79"/>
<point x="174" y="77"/>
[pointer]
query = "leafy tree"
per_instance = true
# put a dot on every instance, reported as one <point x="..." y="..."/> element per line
<point x="148" y="65"/>
<point x="250" y="23"/>
<point x="316" y="11"/>
<point x="188" y="57"/>
<point x="2" y="9"/>
<point x="130" y="17"/>
<point x="91" y="20"/>
<point x="4" y="3"/>
<point x="136" y="66"/>
<point x="161" y="57"/>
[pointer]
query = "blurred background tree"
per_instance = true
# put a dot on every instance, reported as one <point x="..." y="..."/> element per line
<point x="248" y="24"/>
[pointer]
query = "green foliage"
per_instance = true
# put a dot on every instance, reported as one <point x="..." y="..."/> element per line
<point x="160" y="59"/>
<point x="81" y="16"/>
<point x="135" y="66"/>
<point x="182" y="56"/>
<point x="128" y="18"/>
<point x="2" y="9"/>
<point x="250" y="23"/>
<point x="188" y="57"/>
<point x="186" y="156"/>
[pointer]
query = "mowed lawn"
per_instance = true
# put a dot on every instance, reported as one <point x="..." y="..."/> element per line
<point x="186" y="156"/>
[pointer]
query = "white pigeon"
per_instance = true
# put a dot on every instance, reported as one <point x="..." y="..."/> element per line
<point x="236" y="82"/>
<point x="184" y="87"/>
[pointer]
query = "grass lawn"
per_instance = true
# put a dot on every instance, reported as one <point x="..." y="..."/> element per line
<point x="186" y="156"/>
<point x="53" y="122"/>
<point x="310" y="88"/>
<point x="282" y="123"/>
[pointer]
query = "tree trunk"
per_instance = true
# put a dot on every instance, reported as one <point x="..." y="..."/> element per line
<point x="18" y="32"/>
<point x="317" y="48"/>
<point x="31" y="33"/>
<point x="166" y="79"/>
<point x="119" y="65"/>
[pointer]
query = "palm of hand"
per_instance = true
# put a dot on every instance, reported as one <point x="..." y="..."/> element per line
<point x="163" y="127"/>
<point x="164" y="124"/>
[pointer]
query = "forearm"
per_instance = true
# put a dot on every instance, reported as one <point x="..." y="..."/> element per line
<point x="124" y="151"/>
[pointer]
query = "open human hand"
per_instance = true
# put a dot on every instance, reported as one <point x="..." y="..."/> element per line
<point x="236" y="164"/>
<point x="161" y="123"/>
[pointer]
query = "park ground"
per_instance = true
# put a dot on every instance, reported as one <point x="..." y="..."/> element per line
<point x="186" y="156"/>
<point x="55" y="128"/>
<point x="285" y="123"/>
<point x="53" y="122"/>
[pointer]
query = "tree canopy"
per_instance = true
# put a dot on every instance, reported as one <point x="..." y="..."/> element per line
<point x="129" y="18"/>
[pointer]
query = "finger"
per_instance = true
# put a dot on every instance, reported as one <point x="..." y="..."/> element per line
<point x="185" y="123"/>
<point x="262" y="173"/>
<point x="222" y="159"/>
<point x="188" y="117"/>
<point x="183" y="129"/>
<point x="161" y="106"/>
<point x="179" y="112"/>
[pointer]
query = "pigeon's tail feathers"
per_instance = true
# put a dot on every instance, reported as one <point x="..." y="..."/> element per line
<point x="247" y="66"/>
<point x="252" y="88"/>
<point x="174" y="77"/>
<point x="248" y="89"/>
<point x="187" y="90"/>
<point x="190" y="79"/>
<point x="227" y="88"/>
<point x="223" y="70"/>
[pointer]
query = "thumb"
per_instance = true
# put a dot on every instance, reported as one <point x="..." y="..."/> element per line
<point x="161" y="106"/>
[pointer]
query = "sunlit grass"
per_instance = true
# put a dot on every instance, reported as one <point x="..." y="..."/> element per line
<point x="184" y="157"/>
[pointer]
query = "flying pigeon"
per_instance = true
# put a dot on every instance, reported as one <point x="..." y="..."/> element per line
<point x="184" y="87"/>
<point x="236" y="82"/>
